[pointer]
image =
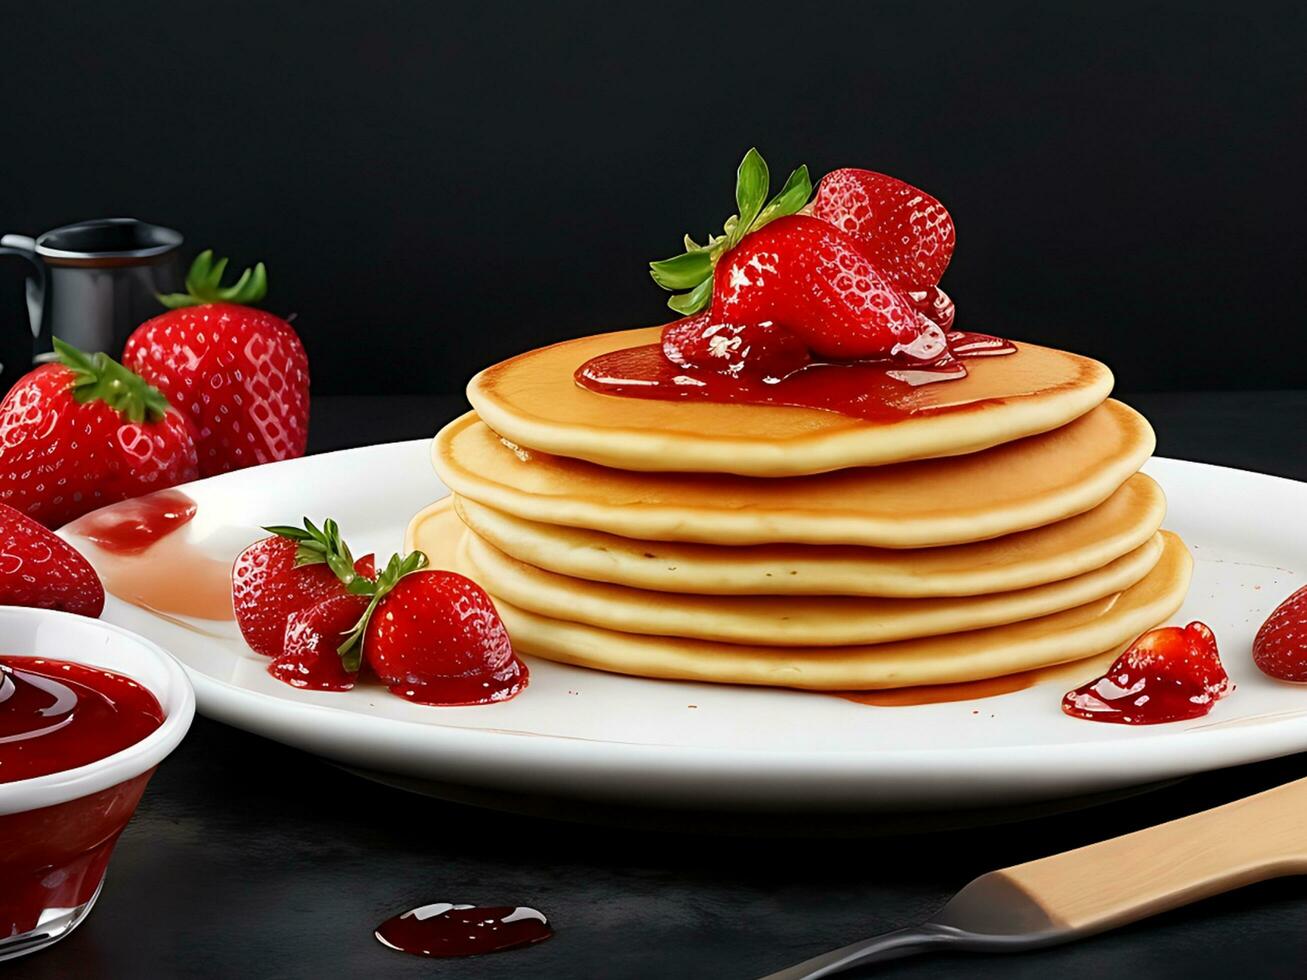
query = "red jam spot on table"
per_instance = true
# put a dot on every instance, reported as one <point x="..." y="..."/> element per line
<point x="142" y="560"/>
<point x="56" y="716"/>
<point x="1168" y="674"/>
<point x="876" y="390"/>
<point x="443" y="929"/>
<point x="503" y="684"/>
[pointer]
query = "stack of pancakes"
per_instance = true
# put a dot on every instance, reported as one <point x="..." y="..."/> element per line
<point x="993" y="525"/>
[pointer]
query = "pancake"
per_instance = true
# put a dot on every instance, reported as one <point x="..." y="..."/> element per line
<point x="1057" y="551"/>
<point x="1074" y="634"/>
<point x="1012" y="487"/>
<point x="819" y="621"/>
<point x="532" y="400"/>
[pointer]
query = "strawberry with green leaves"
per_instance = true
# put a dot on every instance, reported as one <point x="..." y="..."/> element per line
<point x="239" y="374"/>
<point x="852" y="275"/>
<point x="431" y="636"/>
<point x="82" y="431"/>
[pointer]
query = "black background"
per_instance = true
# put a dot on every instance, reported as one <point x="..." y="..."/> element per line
<point x="435" y="187"/>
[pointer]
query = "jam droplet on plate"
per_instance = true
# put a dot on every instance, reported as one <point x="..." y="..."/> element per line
<point x="132" y="526"/>
<point x="142" y="560"/>
<point x="1168" y="674"/>
<point x="56" y="716"/>
<point x="444" y="929"/>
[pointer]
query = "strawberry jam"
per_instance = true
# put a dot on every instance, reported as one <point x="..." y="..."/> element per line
<point x="56" y="716"/>
<point x="132" y="526"/>
<point x="880" y="390"/>
<point x="1168" y="674"/>
<point x="442" y="929"/>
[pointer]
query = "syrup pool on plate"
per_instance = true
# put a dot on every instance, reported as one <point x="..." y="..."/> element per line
<point x="142" y="559"/>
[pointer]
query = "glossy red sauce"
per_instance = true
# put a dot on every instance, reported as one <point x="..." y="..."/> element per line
<point x="142" y="560"/>
<point x="877" y="390"/>
<point x="56" y="716"/>
<point x="1168" y="674"/>
<point x="55" y="857"/>
<point x="507" y="681"/>
<point x="132" y="526"/>
<point x="443" y="929"/>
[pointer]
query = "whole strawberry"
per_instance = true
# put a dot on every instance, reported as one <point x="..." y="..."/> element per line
<point x="1280" y="647"/>
<point x="290" y="571"/>
<point x="83" y="431"/>
<point x="41" y="569"/>
<point x="240" y="375"/>
<point x="776" y="269"/>
<point x="435" y="637"/>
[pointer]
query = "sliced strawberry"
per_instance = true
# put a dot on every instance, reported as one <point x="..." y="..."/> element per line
<point x="1168" y="674"/>
<point x="905" y="232"/>
<point x="40" y="569"/>
<point x="436" y="638"/>
<point x="292" y="570"/>
<point x="762" y="350"/>
<point x="811" y="279"/>
<point x="310" y="655"/>
<point x="1280" y="647"/>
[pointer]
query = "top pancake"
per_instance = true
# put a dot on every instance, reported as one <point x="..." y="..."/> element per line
<point x="533" y="400"/>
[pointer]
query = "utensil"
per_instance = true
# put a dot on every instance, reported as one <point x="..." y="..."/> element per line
<point x="1092" y="889"/>
<point x="93" y="282"/>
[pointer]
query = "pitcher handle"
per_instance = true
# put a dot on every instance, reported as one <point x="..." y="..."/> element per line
<point x="26" y="247"/>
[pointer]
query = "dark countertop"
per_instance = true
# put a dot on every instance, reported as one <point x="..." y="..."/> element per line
<point x="249" y="859"/>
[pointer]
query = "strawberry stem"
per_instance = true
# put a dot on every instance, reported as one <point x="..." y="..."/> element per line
<point x="204" y="284"/>
<point x="351" y="649"/>
<point x="692" y="270"/>
<point x="98" y="377"/>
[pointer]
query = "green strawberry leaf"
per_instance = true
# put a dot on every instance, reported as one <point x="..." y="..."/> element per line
<point x="688" y="304"/>
<point x="751" y="183"/>
<point x="98" y="377"/>
<point x="204" y="285"/>
<point x="690" y="274"/>
<point x="684" y="271"/>
<point x="791" y="199"/>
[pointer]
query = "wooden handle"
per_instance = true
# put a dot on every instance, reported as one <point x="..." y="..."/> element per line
<point x="1150" y="871"/>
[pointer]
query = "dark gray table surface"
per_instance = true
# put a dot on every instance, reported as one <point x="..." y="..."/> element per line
<point x="249" y="859"/>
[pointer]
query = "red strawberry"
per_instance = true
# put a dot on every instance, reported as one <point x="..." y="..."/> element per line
<point x="292" y="570"/>
<point x="1280" y="647"/>
<point x="310" y="655"/>
<point x="436" y="638"/>
<point x="812" y="279"/>
<point x="83" y="432"/>
<point x="1168" y="674"/>
<point x="41" y="569"/>
<point x="906" y="233"/>
<point x="761" y="349"/>
<point x="239" y="374"/>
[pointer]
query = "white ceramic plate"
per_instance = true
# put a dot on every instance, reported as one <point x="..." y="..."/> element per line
<point x="584" y="735"/>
